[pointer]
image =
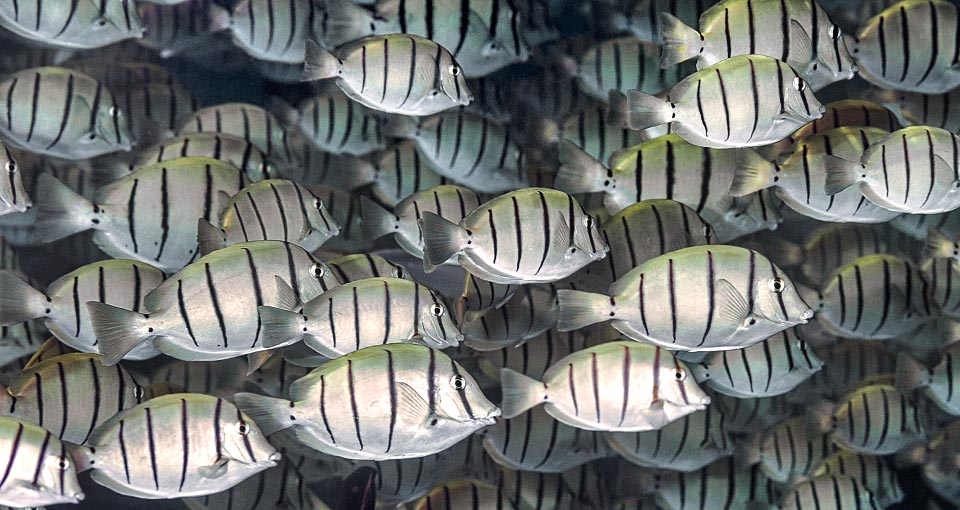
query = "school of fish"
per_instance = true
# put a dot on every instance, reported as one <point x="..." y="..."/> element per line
<point x="480" y="254"/>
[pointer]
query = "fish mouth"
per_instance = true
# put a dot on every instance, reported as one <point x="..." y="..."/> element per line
<point x="490" y="418"/>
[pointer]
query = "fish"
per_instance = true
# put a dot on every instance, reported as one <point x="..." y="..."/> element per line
<point x="875" y="419"/>
<point x="84" y="25"/>
<point x="115" y="72"/>
<point x="688" y="444"/>
<point x="748" y="415"/>
<point x="431" y="404"/>
<point x="799" y="178"/>
<point x="797" y="32"/>
<point x="918" y="226"/>
<point x="923" y="160"/>
<point x="600" y="131"/>
<point x="883" y="43"/>
<point x="479" y="295"/>
<point x="622" y="64"/>
<point x="779" y="363"/>
<point x="534" y="356"/>
<point x="468" y="148"/>
<point x="274" y="209"/>
<point x="234" y="150"/>
<point x="219" y="378"/>
<point x="62" y="306"/>
<point x="937" y="383"/>
<point x="253" y="123"/>
<point x="483" y="36"/>
<point x="41" y="471"/>
<point x="272" y="31"/>
<point x="723" y="482"/>
<point x="748" y="299"/>
<point x="874" y="297"/>
<point x="208" y="445"/>
<point x="659" y="395"/>
<point x="917" y="109"/>
<point x="123" y="213"/>
<point x="567" y="238"/>
<point x="875" y="474"/>
<point x="530" y="312"/>
<point x="668" y="167"/>
<point x="358" y="266"/>
<point x="724" y="106"/>
<point x="335" y="123"/>
<point x="13" y="196"/>
<point x="281" y="486"/>
<point x="177" y="28"/>
<point x="449" y="201"/>
<point x="67" y="383"/>
<point x="207" y="310"/>
<point x="410" y="313"/>
<point x="155" y="111"/>
<point x="642" y="17"/>
<point x="534" y="441"/>
<point x="839" y="492"/>
<point x="468" y="494"/>
<point x="425" y="78"/>
<point x="787" y="451"/>
<point x="61" y="113"/>
<point x="939" y="274"/>
<point x="346" y="208"/>
<point x="399" y="172"/>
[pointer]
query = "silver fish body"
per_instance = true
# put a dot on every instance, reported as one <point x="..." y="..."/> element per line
<point x="748" y="415"/>
<point x="531" y="311"/>
<point x="832" y="246"/>
<point x="40" y="471"/>
<point x="789" y="449"/>
<point x="250" y="122"/>
<point x="876" y="419"/>
<point x="281" y="486"/>
<point x="175" y="29"/>
<point x="876" y="474"/>
<point x="335" y="123"/>
<point x="838" y="492"/>
<point x="917" y="109"/>
<point x="13" y="196"/>
<point x="358" y="266"/>
<point x="271" y="30"/>
<point x="622" y="64"/>
<point x="20" y="340"/>
<point x="600" y="131"/>
<point x="401" y="172"/>
<point x="227" y="148"/>
<point x="536" y="355"/>
<point x="72" y="25"/>
<point x="155" y="111"/>
<point x="723" y="482"/>
<point x="939" y="383"/>
<point x="431" y="404"/>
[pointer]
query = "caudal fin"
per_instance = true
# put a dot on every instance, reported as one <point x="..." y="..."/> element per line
<point x="680" y="42"/>
<point x="210" y="236"/>
<point x="911" y="374"/>
<point x="752" y="173"/>
<point x="645" y="111"/>
<point x="377" y="221"/>
<point x="442" y="239"/>
<point x="19" y="302"/>
<point x="841" y="174"/>
<point x="270" y="414"/>
<point x="118" y="330"/>
<point x="579" y="309"/>
<point x="319" y="64"/>
<point x="60" y="211"/>
<point x="520" y="393"/>
<point x="279" y="327"/>
<point x="939" y="246"/>
<point x="578" y="172"/>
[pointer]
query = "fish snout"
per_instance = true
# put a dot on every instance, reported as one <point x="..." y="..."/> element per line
<point x="275" y="457"/>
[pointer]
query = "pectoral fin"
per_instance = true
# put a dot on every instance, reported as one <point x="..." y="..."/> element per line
<point x="215" y="470"/>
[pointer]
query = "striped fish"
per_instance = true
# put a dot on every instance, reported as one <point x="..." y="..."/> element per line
<point x="722" y="484"/>
<point x="916" y="109"/>
<point x="13" y="196"/>
<point x="174" y="29"/>
<point x="941" y="383"/>
<point x="846" y="112"/>
<point x="536" y="355"/>
<point x="358" y="266"/>
<point x="449" y="201"/>
<point x="155" y="111"/>
<point x="422" y="78"/>
<point x="770" y="368"/>
<point x="748" y="415"/>
<point x="748" y="299"/>
<point x="921" y="159"/>
<point x="830" y="492"/>
<point x="62" y="306"/>
<point x="831" y="246"/>
<point x="849" y="362"/>
<point x="799" y="177"/>
<point x="874" y="297"/>
<point x="340" y="171"/>
<point x="797" y="32"/>
<point x="622" y="64"/>
<point x="337" y="124"/>
<point x="479" y="295"/>
<point x="788" y="450"/>
<point x="940" y="275"/>
<point x="250" y="122"/>
<point x="51" y="348"/>
<point x="174" y="446"/>
<point x="918" y="226"/>
<point x="281" y="486"/>
<point x="744" y="101"/>
<point x="118" y="73"/>
<point x="474" y="494"/>
<point x="469" y="149"/>
<point x="206" y="311"/>
<point x="20" y="340"/>
<point x="431" y="404"/>
<point x="875" y="419"/>
<point x="660" y="394"/>
<point x="667" y="167"/>
<point x="530" y="312"/>
<point x="688" y="444"/>
<point x="227" y="148"/>
<point x="346" y="209"/>
<point x="883" y="46"/>
<point x="651" y="228"/>
<point x="599" y="131"/>
<point x="410" y="313"/>
<point x="123" y="214"/>
<point x="401" y="172"/>
<point x="61" y="113"/>
<point x="219" y="378"/>
<point x="67" y="383"/>
<point x="876" y="474"/>
<point x="579" y="488"/>
<point x="274" y="209"/>
<point x="77" y="25"/>
<point x="533" y="441"/>
<point x="642" y="17"/>
<point x="567" y="238"/>
<point x="39" y="470"/>
<point x="270" y="30"/>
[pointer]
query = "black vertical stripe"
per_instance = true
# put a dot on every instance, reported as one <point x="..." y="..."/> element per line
<point x="185" y="445"/>
<point x="152" y="448"/>
<point x="215" y="301"/>
<point x="673" y="299"/>
<point x="726" y="107"/>
<point x="164" y="213"/>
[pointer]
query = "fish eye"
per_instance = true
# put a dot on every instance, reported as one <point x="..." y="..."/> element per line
<point x="835" y="32"/>
<point x="588" y="221"/>
<point x="242" y="428"/>
<point x="799" y="85"/>
<point x="436" y="310"/>
<point x="777" y="285"/>
<point x="101" y="22"/>
<point x="63" y="463"/>
<point x="455" y="70"/>
<point x="113" y="111"/>
<point x="318" y="204"/>
<point x="92" y="136"/>
<point x="11" y="167"/>
<point x="138" y="393"/>
<point x="680" y="374"/>
<point x="317" y="271"/>
<point x="458" y="382"/>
